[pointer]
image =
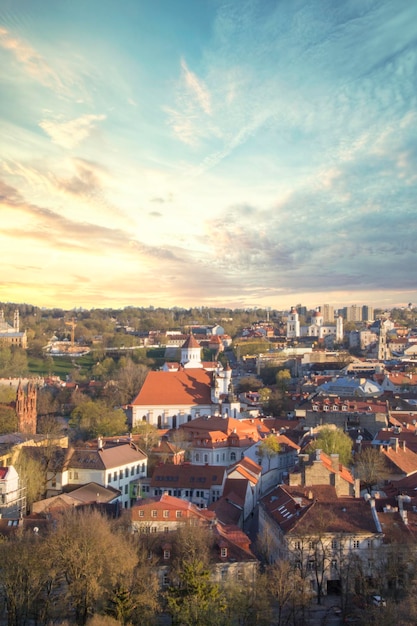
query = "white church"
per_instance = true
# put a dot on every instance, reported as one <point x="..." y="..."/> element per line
<point x="171" y="397"/>
<point x="316" y="329"/>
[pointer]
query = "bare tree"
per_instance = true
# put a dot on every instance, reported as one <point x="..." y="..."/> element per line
<point x="370" y="467"/>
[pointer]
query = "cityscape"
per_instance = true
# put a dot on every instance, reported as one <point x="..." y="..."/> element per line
<point x="208" y="313"/>
<point x="278" y="446"/>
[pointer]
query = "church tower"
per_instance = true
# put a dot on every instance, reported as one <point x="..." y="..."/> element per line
<point x="383" y="350"/>
<point x="293" y="324"/>
<point x="26" y="408"/>
<point x="191" y="353"/>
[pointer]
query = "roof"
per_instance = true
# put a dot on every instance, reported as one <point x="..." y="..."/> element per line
<point x="191" y="342"/>
<point x="188" y="476"/>
<point x="166" y="503"/>
<point x="226" y="425"/>
<point x="184" y="387"/>
<point x="107" y="458"/>
<point x="321" y="512"/>
<point x="402" y="458"/>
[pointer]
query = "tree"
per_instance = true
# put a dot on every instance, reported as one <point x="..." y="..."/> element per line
<point x="25" y="578"/>
<point x="93" y="560"/>
<point x="268" y="448"/>
<point x="93" y="418"/>
<point x="333" y="440"/>
<point x="8" y="420"/>
<point x="149" y="435"/>
<point x="289" y="590"/>
<point x="249" y="383"/>
<point x="370" y="467"/>
<point x="192" y="597"/>
<point x="283" y="379"/>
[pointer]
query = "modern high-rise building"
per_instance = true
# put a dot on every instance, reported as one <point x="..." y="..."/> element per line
<point x="368" y="313"/>
<point x="327" y="311"/>
<point x="353" y="313"/>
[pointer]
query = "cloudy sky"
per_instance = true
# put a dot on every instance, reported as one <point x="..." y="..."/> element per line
<point x="208" y="152"/>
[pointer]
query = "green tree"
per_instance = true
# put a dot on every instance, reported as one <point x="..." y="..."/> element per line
<point x="93" y="418"/>
<point x="269" y="448"/>
<point x="333" y="441"/>
<point x="192" y="597"/>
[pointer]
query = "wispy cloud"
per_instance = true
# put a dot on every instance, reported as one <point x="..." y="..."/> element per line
<point x="70" y="133"/>
<point x="33" y="63"/>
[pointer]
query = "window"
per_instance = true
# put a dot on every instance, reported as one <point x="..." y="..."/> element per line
<point x="120" y="474"/>
<point x="223" y="552"/>
<point x="355" y="544"/>
<point x="310" y="565"/>
<point x="297" y="545"/>
<point x="154" y="513"/>
<point x="166" y="513"/>
<point x="126" y="472"/>
<point x="167" y="554"/>
<point x="224" y="574"/>
<point x="141" y="513"/>
<point x="197" y="458"/>
<point x="126" y="489"/>
<point x="166" y="529"/>
<point x="233" y="456"/>
<point x="178" y="513"/>
<point x="75" y="475"/>
<point x="165" y="580"/>
<point x="154" y="529"/>
<point x="312" y="545"/>
<point x="334" y="564"/>
<point x="334" y="544"/>
<point x="206" y="458"/>
<point x="109" y="478"/>
<point x="132" y="471"/>
<point x="114" y="476"/>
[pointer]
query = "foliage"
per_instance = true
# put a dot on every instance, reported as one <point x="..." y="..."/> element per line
<point x="91" y="419"/>
<point x="93" y="559"/>
<point x="249" y="383"/>
<point x="8" y="420"/>
<point x="32" y="474"/>
<point x="333" y="441"/>
<point x="268" y="448"/>
<point x="13" y="362"/>
<point x="149" y="436"/>
<point x="289" y="589"/>
<point x="277" y="403"/>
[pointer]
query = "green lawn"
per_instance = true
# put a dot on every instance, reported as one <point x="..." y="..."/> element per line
<point x="60" y="366"/>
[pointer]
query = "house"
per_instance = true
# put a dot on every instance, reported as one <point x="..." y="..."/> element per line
<point x="319" y="468"/>
<point x="327" y="537"/>
<point x="219" y="440"/>
<point x="12" y="494"/>
<point x="89" y="494"/>
<point x="199" y="484"/>
<point x="400" y="460"/>
<point x="166" y="513"/>
<point x="240" y="493"/>
<point x="158" y="521"/>
<point x="345" y="413"/>
<point x="121" y="466"/>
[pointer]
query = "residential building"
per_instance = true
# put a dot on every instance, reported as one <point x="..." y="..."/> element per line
<point x="327" y="537"/>
<point x="120" y="466"/>
<point x="198" y="484"/>
<point x="12" y="493"/>
<point x="345" y="413"/>
<point x="319" y="468"/>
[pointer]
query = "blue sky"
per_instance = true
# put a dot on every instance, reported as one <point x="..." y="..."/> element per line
<point x="207" y="152"/>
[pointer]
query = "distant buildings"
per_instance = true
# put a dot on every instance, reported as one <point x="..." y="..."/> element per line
<point x="11" y="335"/>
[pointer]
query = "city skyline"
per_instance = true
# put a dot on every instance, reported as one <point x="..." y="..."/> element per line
<point x="235" y="154"/>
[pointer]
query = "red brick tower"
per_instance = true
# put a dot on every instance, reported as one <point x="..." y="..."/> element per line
<point x="26" y="408"/>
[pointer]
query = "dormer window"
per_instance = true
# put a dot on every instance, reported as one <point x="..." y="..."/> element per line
<point x="344" y="407"/>
<point x="335" y="407"/>
<point x="325" y="407"/>
<point x="315" y="407"/>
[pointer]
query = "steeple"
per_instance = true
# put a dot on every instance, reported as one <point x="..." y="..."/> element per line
<point x="191" y="353"/>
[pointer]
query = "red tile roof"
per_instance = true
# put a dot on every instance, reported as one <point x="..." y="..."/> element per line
<point x="185" y="387"/>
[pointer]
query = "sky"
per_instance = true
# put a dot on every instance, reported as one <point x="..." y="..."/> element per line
<point x="236" y="153"/>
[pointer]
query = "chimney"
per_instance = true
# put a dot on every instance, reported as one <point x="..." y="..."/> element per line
<point x="99" y="443"/>
<point x="403" y="444"/>
<point x="335" y="462"/>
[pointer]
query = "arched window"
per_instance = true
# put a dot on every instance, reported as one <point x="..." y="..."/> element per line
<point x="205" y="458"/>
<point x="159" y="421"/>
<point x="174" y="421"/>
<point x="144" y="418"/>
<point x="189" y="418"/>
<point x="233" y="456"/>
